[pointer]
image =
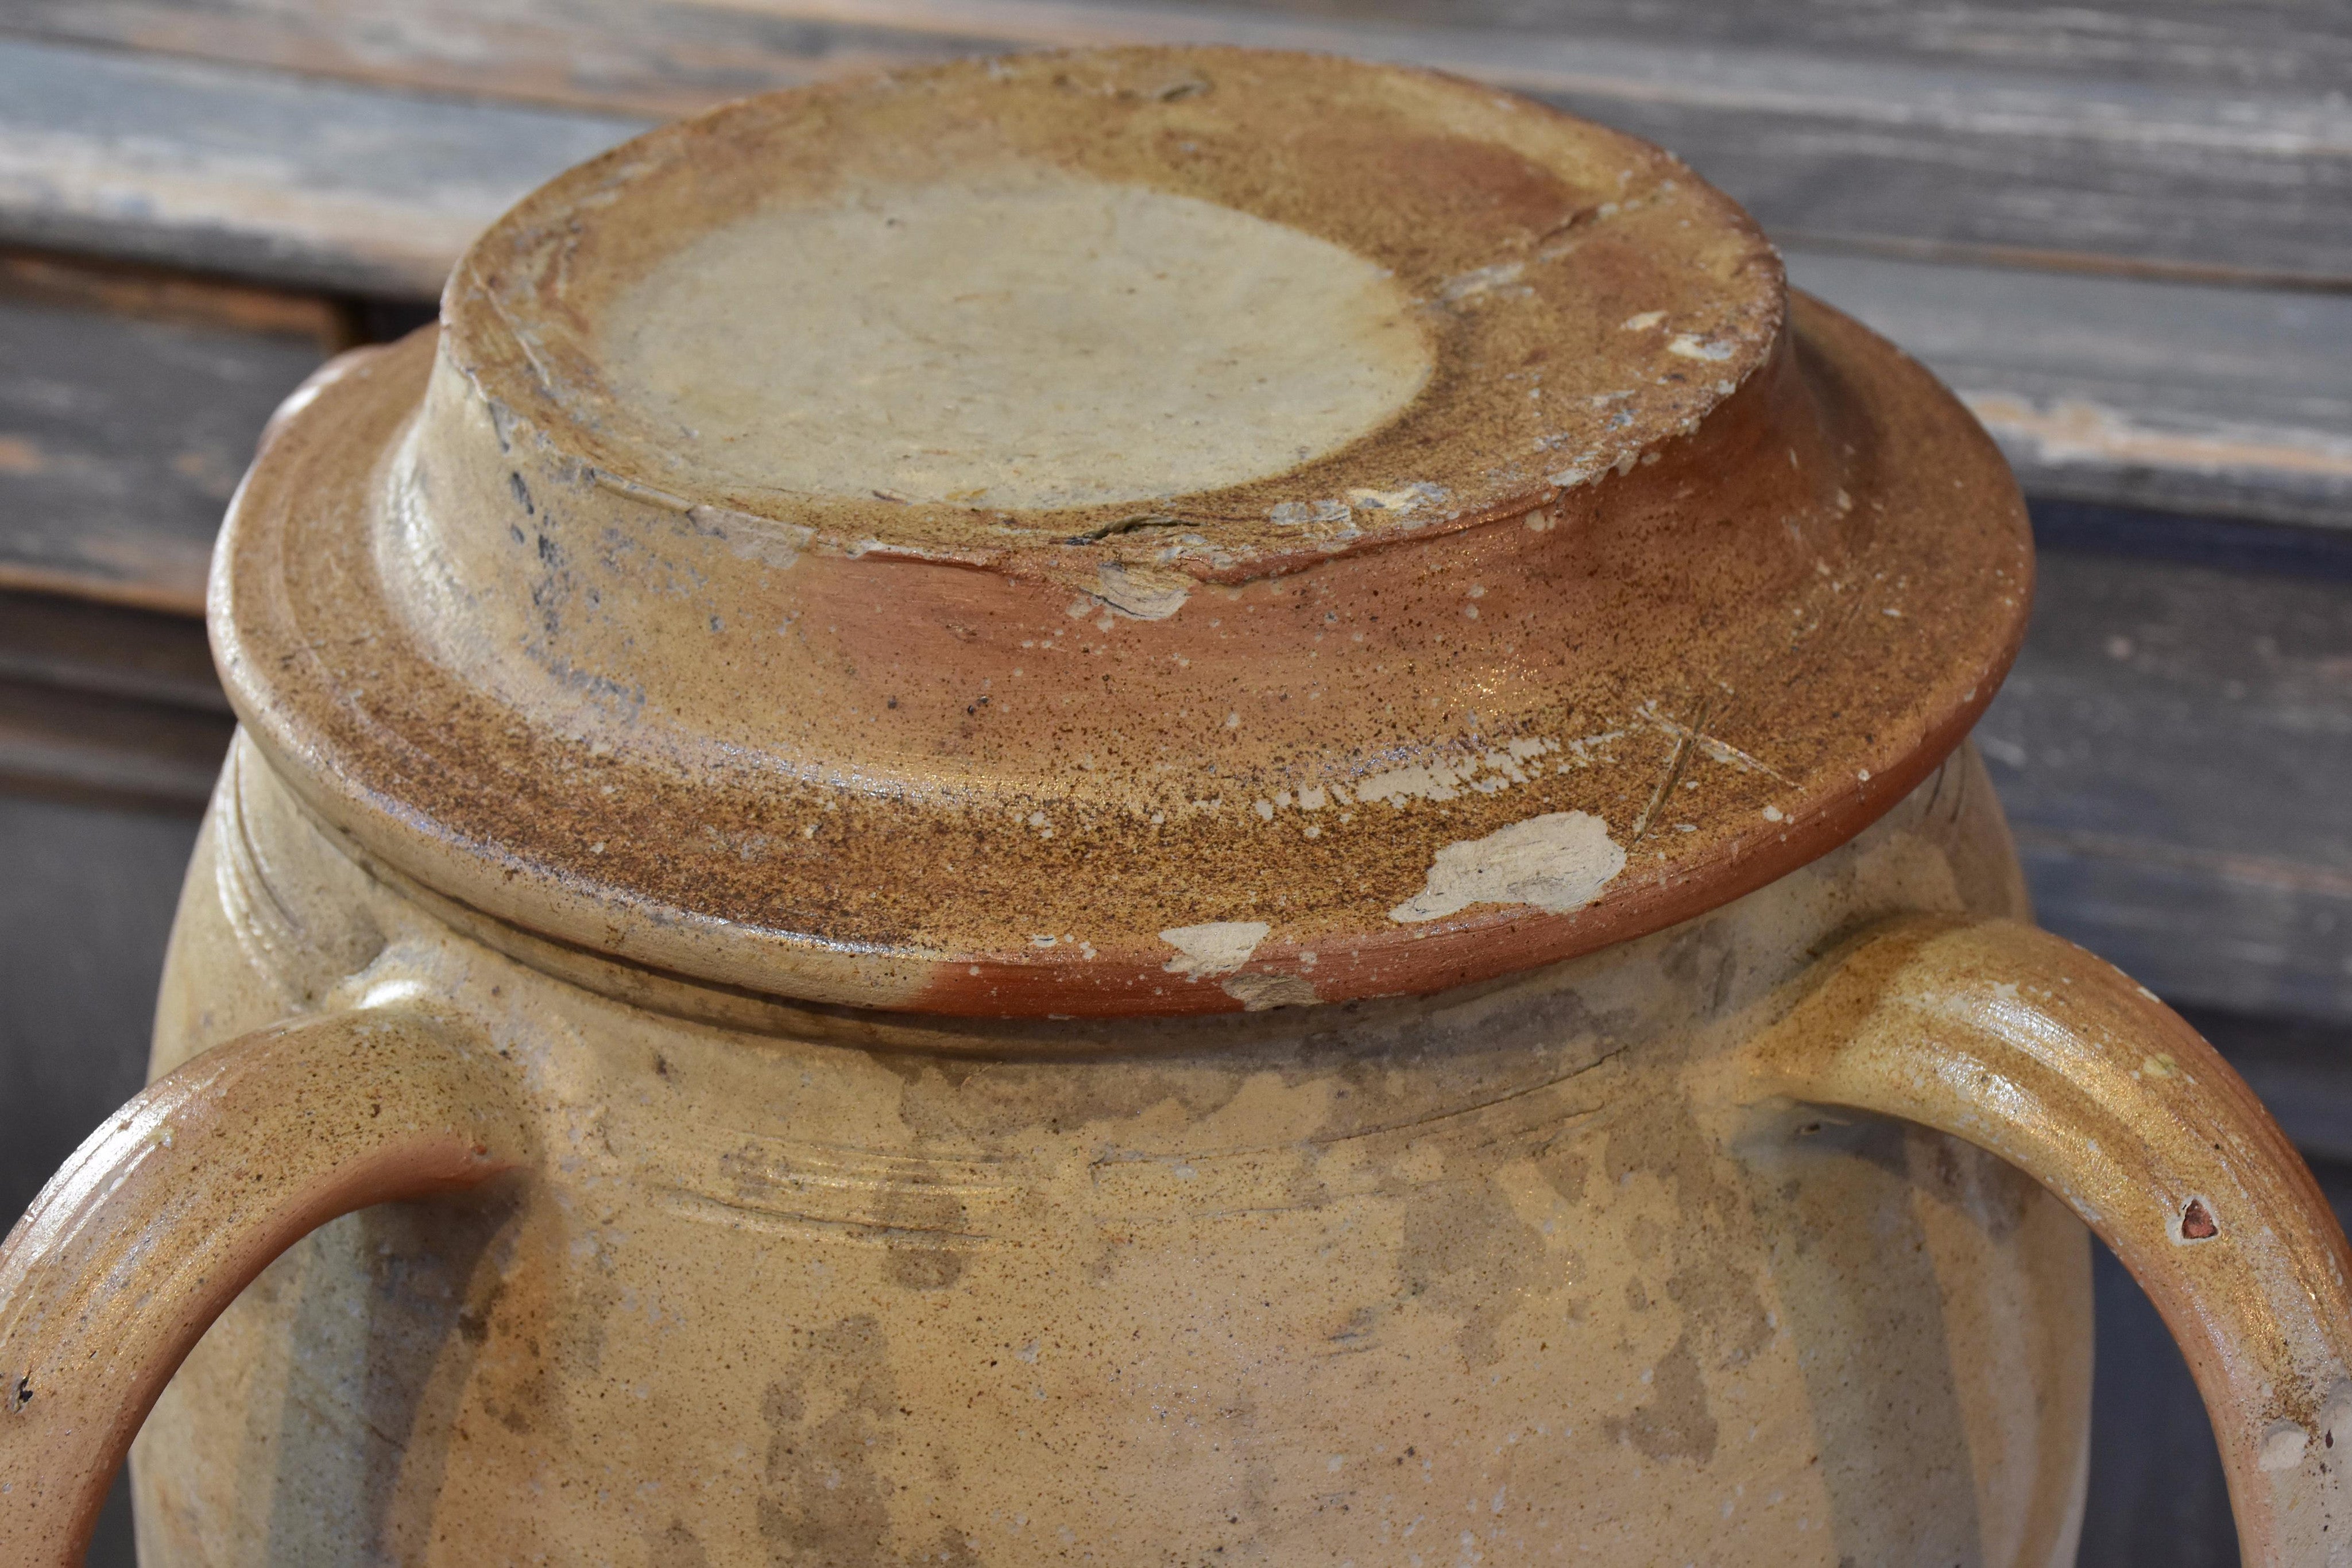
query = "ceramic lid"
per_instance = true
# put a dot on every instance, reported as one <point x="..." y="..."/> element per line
<point x="1147" y="532"/>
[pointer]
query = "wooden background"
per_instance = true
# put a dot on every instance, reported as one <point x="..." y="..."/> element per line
<point x="2122" y="231"/>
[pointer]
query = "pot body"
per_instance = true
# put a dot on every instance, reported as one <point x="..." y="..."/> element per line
<point x="1502" y="1275"/>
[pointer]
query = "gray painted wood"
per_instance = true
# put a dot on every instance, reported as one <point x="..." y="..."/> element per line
<point x="121" y="440"/>
<point x="105" y="701"/>
<point x="690" y="52"/>
<point x="263" y="173"/>
<point x="2249" y="44"/>
<point x="102" y="701"/>
<point x="2129" y="392"/>
<point x="2181" y="140"/>
<point x="84" y="912"/>
<point x="2157" y="1497"/>
<point x="2172" y="749"/>
<point x="84" y="747"/>
<point x="108" y="651"/>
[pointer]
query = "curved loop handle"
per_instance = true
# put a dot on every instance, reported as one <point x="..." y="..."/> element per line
<point x="173" y="1206"/>
<point x="2034" y="1051"/>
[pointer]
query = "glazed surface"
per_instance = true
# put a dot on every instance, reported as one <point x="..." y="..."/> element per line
<point x="1498" y="1274"/>
<point x="980" y="344"/>
<point x="775" y="624"/>
<point x="1524" y="298"/>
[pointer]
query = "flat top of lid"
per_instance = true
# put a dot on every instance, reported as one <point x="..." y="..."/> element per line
<point x="1094" y="344"/>
<point x="1147" y="531"/>
<point x="1279" y="301"/>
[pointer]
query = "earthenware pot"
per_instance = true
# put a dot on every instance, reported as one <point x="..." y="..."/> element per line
<point x="1152" y="807"/>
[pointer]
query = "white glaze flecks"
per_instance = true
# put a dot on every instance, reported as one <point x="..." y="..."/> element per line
<point x="1558" y="861"/>
<point x="1217" y="948"/>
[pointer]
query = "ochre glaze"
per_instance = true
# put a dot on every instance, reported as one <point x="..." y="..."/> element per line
<point x="166" y="1213"/>
<point x="1167" y="807"/>
<point x="1308" y="1285"/>
<point x="1552" y="508"/>
<point x="2033" y="1048"/>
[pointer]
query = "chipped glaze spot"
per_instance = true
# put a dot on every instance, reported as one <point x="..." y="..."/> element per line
<point x="1485" y="773"/>
<point x="1290" y="514"/>
<point x="1403" y="498"/>
<point x="1257" y="993"/>
<point x="1559" y="861"/>
<point x="1143" y="592"/>
<point x="1687" y="347"/>
<point x="1217" y="947"/>
<point x="2283" y="1443"/>
<point x="1480" y="280"/>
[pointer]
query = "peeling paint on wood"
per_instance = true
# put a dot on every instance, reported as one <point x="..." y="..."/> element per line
<point x="2178" y="140"/>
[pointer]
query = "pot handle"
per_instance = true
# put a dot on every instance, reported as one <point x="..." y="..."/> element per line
<point x="172" y="1207"/>
<point x="2028" y="1047"/>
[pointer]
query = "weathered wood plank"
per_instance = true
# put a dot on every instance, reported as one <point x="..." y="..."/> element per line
<point x="667" y="56"/>
<point x="108" y="651"/>
<point x="261" y="174"/>
<point x="2249" y="44"/>
<point x="657" y="57"/>
<point x="83" y="747"/>
<point x="2172" y="749"/>
<point x="128" y="408"/>
<point x="2125" y="390"/>
<point x="158" y="294"/>
<point x="1994" y="129"/>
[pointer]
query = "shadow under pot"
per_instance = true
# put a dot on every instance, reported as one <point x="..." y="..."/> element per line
<point x="1140" y="807"/>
